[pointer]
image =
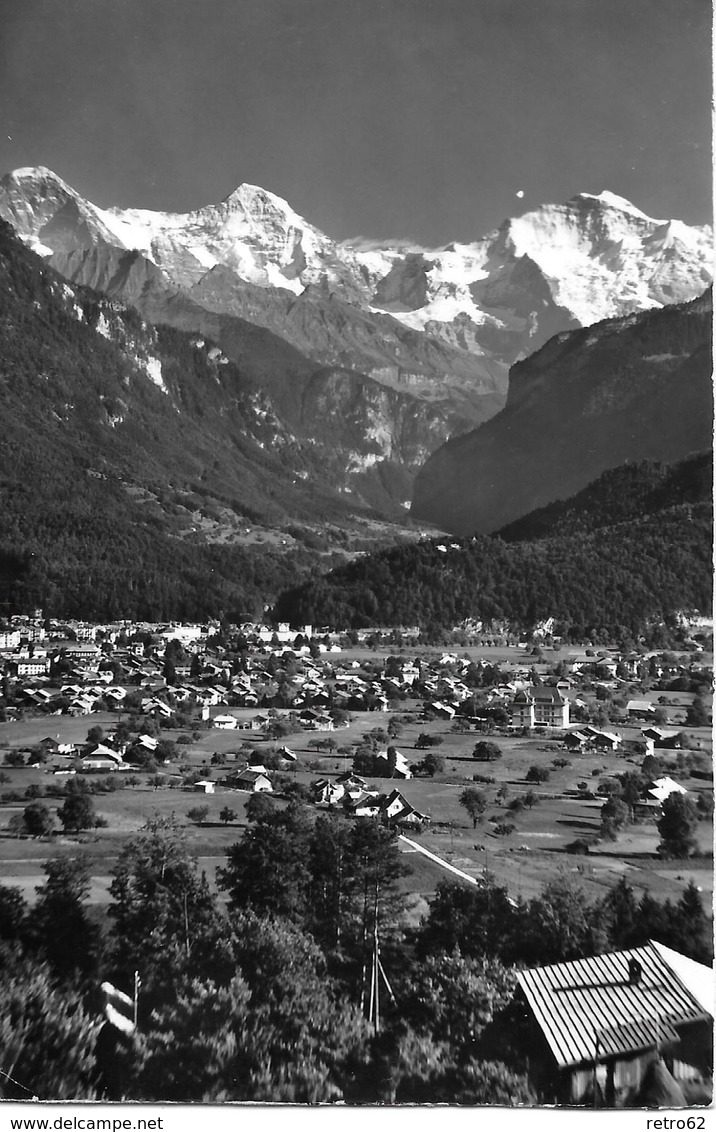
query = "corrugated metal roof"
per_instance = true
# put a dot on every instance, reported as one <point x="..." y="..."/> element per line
<point x="578" y="1003"/>
<point x="696" y="977"/>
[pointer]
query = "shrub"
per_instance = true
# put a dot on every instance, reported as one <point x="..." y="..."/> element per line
<point x="537" y="774"/>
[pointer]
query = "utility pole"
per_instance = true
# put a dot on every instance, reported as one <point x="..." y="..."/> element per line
<point x="377" y="972"/>
<point x="137" y="984"/>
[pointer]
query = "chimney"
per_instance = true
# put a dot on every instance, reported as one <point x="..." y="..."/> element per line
<point x="635" y="972"/>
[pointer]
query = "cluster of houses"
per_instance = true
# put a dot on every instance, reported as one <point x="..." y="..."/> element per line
<point x="351" y="793"/>
<point x="71" y="667"/>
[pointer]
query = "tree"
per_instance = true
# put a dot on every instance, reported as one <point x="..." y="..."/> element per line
<point x="39" y="820"/>
<point x="677" y="826"/>
<point x="531" y="799"/>
<point x="156" y="780"/>
<point x="431" y="765"/>
<point x="47" y="1037"/>
<point x="165" y="915"/>
<point x="537" y="773"/>
<point x="697" y="714"/>
<point x="13" y="913"/>
<point x="478" y="921"/>
<point x="504" y="829"/>
<point x="619" y="913"/>
<point x="198" y="814"/>
<point x="95" y="734"/>
<point x="59" y="922"/>
<point x="486" y="751"/>
<point x="166" y="751"/>
<point x="77" y="813"/>
<point x="614" y="816"/>
<point x="278" y="729"/>
<point x="558" y="925"/>
<point x="474" y="802"/>
<point x="364" y="761"/>
<point x="424" y="739"/>
<point x="259" y="807"/>
<point x="651" y="767"/>
<point x="453" y="998"/>
<point x="227" y="814"/>
<point x="632" y="785"/>
<point x="189" y="1050"/>
<point x="691" y="926"/>
<point x="352" y="864"/>
<point x="268" y="869"/>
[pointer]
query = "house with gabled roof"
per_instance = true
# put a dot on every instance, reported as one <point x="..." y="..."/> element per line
<point x="600" y="1022"/>
<point x="224" y="722"/>
<point x="327" y="793"/>
<point x="366" y="804"/>
<point x="641" y="709"/>
<point x="662" y="788"/>
<point x="254" y="779"/>
<point x="397" y="810"/>
<point x="401" y="769"/>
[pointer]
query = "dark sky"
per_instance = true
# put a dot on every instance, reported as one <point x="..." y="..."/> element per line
<point x="413" y="118"/>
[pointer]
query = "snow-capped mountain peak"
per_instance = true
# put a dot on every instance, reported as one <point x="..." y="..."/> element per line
<point x="553" y="267"/>
<point x="612" y="200"/>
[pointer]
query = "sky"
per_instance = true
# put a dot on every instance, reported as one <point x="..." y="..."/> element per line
<point x="428" y="120"/>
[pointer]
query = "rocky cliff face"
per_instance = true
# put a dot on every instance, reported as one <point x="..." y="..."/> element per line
<point x="628" y="389"/>
<point x="436" y="330"/>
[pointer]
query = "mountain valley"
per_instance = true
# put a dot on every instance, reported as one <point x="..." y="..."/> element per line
<point x="373" y="353"/>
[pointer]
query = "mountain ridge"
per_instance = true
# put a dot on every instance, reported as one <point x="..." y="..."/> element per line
<point x="438" y="329"/>
<point x="260" y="233"/>
<point x="626" y="389"/>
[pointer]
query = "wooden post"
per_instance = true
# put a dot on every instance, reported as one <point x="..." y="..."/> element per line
<point x="136" y="997"/>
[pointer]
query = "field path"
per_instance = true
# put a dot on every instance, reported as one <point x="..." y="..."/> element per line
<point x="438" y="860"/>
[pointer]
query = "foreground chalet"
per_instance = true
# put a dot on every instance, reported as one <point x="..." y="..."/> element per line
<point x="606" y="1022"/>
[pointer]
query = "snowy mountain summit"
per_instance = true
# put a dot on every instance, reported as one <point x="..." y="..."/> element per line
<point x="377" y="352"/>
<point x="595" y="257"/>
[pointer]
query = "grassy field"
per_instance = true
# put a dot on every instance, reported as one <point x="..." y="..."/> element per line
<point x="526" y="860"/>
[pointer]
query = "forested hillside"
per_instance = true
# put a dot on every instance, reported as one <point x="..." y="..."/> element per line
<point x="629" y="492"/>
<point x="611" y="583"/>
<point x="121" y="442"/>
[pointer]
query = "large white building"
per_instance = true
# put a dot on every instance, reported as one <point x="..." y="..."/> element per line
<point x="540" y="706"/>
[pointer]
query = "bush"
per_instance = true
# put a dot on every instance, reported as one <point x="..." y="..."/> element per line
<point x="537" y="774"/>
<point x="486" y="751"/>
<point x="504" y="829"/>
